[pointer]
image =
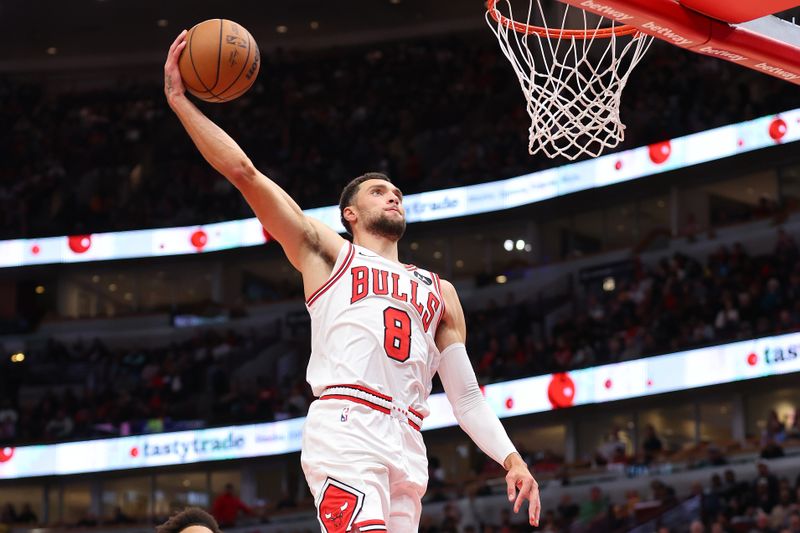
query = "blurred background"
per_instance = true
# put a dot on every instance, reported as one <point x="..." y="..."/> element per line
<point x="687" y="259"/>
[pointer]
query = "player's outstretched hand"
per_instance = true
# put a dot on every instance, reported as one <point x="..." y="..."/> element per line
<point x="173" y="84"/>
<point x="520" y="478"/>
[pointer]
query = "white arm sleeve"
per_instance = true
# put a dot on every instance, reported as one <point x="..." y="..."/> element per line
<point x="472" y="412"/>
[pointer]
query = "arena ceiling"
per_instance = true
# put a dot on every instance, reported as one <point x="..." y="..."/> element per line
<point x="44" y="34"/>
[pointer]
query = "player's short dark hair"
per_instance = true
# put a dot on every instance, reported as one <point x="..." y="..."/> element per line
<point x="191" y="516"/>
<point x="350" y="190"/>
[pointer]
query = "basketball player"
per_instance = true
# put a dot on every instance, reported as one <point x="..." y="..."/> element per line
<point x="190" y="520"/>
<point x="380" y="331"/>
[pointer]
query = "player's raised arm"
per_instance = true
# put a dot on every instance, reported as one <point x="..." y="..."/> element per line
<point x="306" y="241"/>
<point x="473" y="413"/>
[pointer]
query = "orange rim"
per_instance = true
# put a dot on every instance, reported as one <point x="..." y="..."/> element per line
<point x="519" y="27"/>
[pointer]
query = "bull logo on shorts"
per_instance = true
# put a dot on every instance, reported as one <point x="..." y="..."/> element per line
<point x="338" y="517"/>
<point x="338" y="506"/>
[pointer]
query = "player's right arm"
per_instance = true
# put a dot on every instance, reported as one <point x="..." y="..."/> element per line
<point x="311" y="246"/>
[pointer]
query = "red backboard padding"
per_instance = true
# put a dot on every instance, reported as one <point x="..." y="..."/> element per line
<point x="738" y="11"/>
<point x="699" y="33"/>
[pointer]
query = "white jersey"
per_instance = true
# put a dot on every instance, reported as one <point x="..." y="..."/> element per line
<point x="373" y="324"/>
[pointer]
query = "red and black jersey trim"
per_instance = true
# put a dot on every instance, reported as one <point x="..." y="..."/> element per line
<point x="334" y="277"/>
<point x="415" y="412"/>
<point x="370" y="525"/>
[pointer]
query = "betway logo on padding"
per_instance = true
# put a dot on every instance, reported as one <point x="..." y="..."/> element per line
<point x="605" y="10"/>
<point x="197" y="448"/>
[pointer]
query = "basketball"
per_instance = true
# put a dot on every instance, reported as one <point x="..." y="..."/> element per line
<point x="220" y="61"/>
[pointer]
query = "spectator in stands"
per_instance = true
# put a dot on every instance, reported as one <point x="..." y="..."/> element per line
<point x="762" y="496"/>
<point x="452" y="519"/>
<point x="227" y="506"/>
<point x="663" y="493"/>
<point x="727" y="321"/>
<point x="762" y="524"/>
<point x="26" y="515"/>
<point x="568" y="511"/>
<point x="118" y="517"/>
<point x="775" y="430"/>
<point x="436" y="481"/>
<point x="779" y="517"/>
<point x="651" y="446"/>
<point x="611" y="450"/>
<point x="595" y="507"/>
<point x="504" y="525"/>
<point x="697" y="527"/>
<point x="732" y="487"/>
<point x="60" y="426"/>
<point x="771" y="450"/>
<point x="766" y="479"/>
<point x="740" y="515"/>
<point x="190" y="520"/>
<point x="549" y="523"/>
<point x="794" y="521"/>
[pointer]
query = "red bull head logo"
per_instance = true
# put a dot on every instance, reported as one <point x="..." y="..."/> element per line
<point x="338" y="506"/>
<point x="337" y="517"/>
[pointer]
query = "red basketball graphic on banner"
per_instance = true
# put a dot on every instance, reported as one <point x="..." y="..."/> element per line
<point x="79" y="243"/>
<point x="561" y="391"/>
<point x="6" y="454"/>
<point x="777" y="129"/>
<point x="660" y="152"/>
<point x="199" y="239"/>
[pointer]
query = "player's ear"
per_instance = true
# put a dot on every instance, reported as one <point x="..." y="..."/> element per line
<point x="349" y="214"/>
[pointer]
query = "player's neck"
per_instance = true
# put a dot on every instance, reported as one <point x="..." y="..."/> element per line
<point x="382" y="246"/>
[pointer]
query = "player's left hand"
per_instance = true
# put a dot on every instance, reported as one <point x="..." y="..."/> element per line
<point x="519" y="477"/>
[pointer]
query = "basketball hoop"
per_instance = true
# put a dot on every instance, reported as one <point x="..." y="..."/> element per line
<point x="572" y="91"/>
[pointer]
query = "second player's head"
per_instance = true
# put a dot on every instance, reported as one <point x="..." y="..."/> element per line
<point x="371" y="203"/>
<point x="190" y="520"/>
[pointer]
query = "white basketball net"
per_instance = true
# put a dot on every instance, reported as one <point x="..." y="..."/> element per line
<point x="572" y="97"/>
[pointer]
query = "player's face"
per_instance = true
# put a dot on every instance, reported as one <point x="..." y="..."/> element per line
<point x="381" y="211"/>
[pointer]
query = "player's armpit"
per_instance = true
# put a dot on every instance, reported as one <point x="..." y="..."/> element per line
<point x="453" y="328"/>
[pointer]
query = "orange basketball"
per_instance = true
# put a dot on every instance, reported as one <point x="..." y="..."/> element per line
<point x="220" y="61"/>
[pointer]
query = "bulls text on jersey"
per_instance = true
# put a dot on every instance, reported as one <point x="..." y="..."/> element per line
<point x="375" y="281"/>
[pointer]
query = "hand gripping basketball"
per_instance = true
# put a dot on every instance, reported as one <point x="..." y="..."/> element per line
<point x="173" y="84"/>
